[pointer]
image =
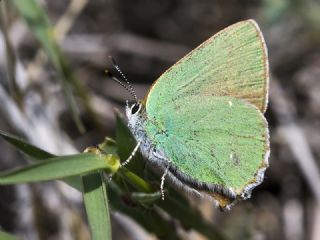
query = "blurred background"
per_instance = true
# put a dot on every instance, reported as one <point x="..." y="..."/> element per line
<point x="39" y="69"/>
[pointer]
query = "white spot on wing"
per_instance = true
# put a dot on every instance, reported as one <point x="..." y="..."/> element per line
<point x="230" y="103"/>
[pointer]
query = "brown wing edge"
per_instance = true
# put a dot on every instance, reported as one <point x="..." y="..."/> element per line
<point x="266" y="65"/>
<point x="262" y="108"/>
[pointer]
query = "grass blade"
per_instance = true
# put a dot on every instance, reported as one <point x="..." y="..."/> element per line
<point x="37" y="154"/>
<point x="27" y="148"/>
<point x="96" y="203"/>
<point x="60" y="167"/>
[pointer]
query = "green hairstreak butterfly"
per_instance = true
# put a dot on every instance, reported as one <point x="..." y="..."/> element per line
<point x="202" y="121"/>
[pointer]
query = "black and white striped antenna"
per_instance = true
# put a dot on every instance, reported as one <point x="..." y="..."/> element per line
<point x="127" y="85"/>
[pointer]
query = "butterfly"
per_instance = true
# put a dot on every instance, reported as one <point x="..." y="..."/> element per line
<point x="202" y="121"/>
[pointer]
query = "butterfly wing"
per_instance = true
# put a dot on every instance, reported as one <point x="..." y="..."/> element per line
<point x="210" y="106"/>
<point x="231" y="63"/>
<point x="218" y="140"/>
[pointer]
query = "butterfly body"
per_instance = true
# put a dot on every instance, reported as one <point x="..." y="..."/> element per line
<point x="203" y="118"/>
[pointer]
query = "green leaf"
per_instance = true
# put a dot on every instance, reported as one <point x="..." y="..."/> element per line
<point x="40" y="25"/>
<point x="26" y="148"/>
<point x="38" y="154"/>
<point x="60" y="167"/>
<point x="96" y="203"/>
<point x="7" y="236"/>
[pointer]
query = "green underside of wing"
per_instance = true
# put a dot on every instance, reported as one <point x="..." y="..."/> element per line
<point x="231" y="63"/>
<point x="217" y="140"/>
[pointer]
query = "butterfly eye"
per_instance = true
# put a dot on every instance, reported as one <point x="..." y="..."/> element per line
<point x="135" y="108"/>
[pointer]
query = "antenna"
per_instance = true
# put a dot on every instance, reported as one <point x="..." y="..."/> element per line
<point x="120" y="83"/>
<point x="128" y="87"/>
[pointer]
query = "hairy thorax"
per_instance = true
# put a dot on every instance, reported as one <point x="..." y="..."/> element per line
<point x="136" y="124"/>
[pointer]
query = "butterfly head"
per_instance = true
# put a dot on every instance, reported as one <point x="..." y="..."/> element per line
<point x="133" y="110"/>
<point x="135" y="114"/>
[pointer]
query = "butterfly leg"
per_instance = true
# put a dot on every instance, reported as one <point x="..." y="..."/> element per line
<point x="134" y="151"/>
<point x="162" y="182"/>
<point x="106" y="177"/>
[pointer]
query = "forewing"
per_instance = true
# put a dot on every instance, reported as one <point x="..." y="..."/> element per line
<point x="231" y="63"/>
<point x="216" y="140"/>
